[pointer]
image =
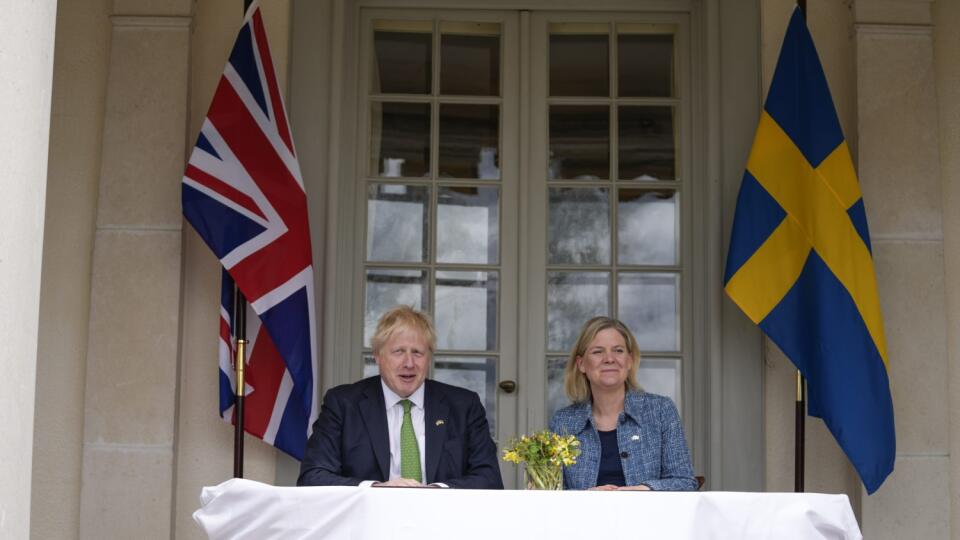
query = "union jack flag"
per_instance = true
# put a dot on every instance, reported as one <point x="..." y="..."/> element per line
<point x="243" y="193"/>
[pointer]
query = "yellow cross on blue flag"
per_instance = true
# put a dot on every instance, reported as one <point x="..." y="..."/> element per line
<point x="800" y="263"/>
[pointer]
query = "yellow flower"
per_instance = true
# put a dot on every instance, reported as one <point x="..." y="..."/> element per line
<point x="542" y="448"/>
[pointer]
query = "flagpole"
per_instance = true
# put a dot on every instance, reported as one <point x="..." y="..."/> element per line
<point x="801" y="405"/>
<point x="240" y="333"/>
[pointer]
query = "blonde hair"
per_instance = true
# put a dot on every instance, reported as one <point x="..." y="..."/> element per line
<point x="403" y="318"/>
<point x="575" y="383"/>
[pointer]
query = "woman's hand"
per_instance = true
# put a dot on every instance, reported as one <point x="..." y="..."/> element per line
<point x="607" y="487"/>
<point x="641" y="487"/>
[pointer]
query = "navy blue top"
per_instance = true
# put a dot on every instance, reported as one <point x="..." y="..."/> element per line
<point x="611" y="471"/>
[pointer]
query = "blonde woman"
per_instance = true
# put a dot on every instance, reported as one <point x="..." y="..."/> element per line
<point x="629" y="439"/>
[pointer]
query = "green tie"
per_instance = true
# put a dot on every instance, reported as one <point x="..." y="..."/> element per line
<point x="409" y="449"/>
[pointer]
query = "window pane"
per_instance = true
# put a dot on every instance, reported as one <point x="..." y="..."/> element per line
<point x="579" y="60"/>
<point x="468" y="225"/>
<point x="370" y="367"/>
<point x="400" y="139"/>
<point x="556" y="395"/>
<point x="472" y="373"/>
<point x="470" y="59"/>
<point x="397" y="223"/>
<point x="387" y="288"/>
<point x="647" y="226"/>
<point x="579" y="142"/>
<point x="572" y="299"/>
<point x="469" y="141"/>
<point x="660" y="376"/>
<point x="466" y="310"/>
<point x="644" y="64"/>
<point x="401" y="63"/>
<point x="649" y="306"/>
<point x="579" y="229"/>
<point x="647" y="150"/>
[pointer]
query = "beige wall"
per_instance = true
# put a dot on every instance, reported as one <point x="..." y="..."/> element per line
<point x="76" y="124"/>
<point x="947" y="67"/>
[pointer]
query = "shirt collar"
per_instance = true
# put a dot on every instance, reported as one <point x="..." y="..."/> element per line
<point x="390" y="398"/>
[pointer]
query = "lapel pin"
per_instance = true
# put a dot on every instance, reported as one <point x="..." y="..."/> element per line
<point x="439" y="422"/>
<point x="635" y="438"/>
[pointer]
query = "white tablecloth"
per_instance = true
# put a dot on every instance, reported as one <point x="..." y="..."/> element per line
<point x="238" y="509"/>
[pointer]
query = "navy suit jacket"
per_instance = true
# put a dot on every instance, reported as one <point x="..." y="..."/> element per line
<point x="350" y="443"/>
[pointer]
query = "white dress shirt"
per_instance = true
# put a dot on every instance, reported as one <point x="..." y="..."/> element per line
<point x="394" y="422"/>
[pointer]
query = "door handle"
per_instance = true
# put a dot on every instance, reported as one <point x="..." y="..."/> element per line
<point x="508" y="386"/>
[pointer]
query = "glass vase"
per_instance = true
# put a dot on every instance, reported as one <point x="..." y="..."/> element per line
<point x="544" y="477"/>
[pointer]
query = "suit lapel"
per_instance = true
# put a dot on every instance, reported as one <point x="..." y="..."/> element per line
<point x="374" y="413"/>
<point x="435" y="421"/>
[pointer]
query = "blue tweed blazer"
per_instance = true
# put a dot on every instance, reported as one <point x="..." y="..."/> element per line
<point x="649" y="434"/>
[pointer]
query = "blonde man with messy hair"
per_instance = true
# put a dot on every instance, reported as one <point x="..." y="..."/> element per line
<point x="403" y="318"/>
<point x="575" y="382"/>
<point x="399" y="428"/>
<point x="629" y="439"/>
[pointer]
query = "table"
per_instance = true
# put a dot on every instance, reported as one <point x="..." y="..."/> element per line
<point x="239" y="509"/>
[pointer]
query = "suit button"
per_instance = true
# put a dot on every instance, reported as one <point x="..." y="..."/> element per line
<point x="624" y="455"/>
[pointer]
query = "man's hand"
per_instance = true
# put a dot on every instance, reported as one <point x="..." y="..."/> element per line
<point x="399" y="482"/>
<point x="606" y="487"/>
<point x="641" y="487"/>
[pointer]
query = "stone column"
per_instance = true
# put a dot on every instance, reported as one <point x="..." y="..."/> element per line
<point x="26" y="61"/>
<point x="899" y="165"/>
<point x="130" y="405"/>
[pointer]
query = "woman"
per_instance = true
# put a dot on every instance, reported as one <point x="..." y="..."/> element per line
<point x="629" y="439"/>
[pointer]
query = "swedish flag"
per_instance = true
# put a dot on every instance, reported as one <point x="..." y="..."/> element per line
<point x="800" y="262"/>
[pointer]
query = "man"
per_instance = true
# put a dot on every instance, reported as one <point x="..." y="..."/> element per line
<point x="399" y="428"/>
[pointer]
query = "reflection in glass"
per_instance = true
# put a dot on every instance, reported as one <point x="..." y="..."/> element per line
<point x="397" y="223"/>
<point x="579" y="63"/>
<point x="400" y="139"/>
<point x="469" y="139"/>
<point x="402" y="58"/>
<point x="370" y="366"/>
<point x="572" y="299"/>
<point x="465" y="312"/>
<point x="647" y="146"/>
<point x="579" y="142"/>
<point x="388" y="287"/>
<point x="647" y="226"/>
<point x="468" y="224"/>
<point x="645" y="65"/>
<point x="661" y="376"/>
<point x="556" y="396"/>
<point x="649" y="305"/>
<point x="469" y="59"/>
<point x="579" y="228"/>
<point x="472" y="373"/>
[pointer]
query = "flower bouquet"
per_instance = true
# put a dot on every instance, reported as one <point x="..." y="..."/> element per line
<point x="544" y="454"/>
